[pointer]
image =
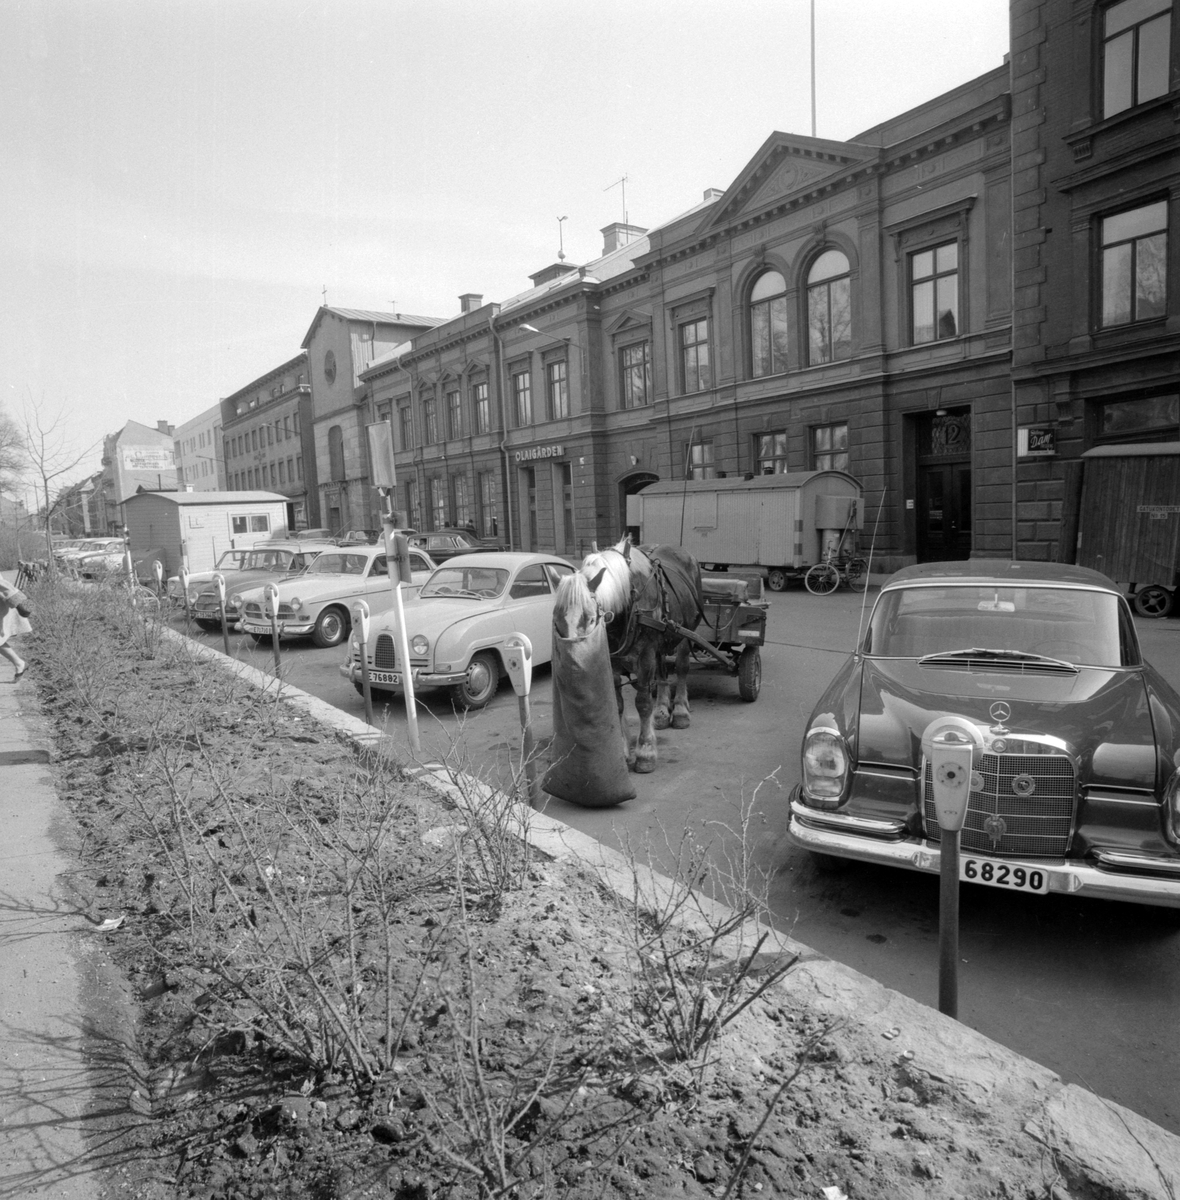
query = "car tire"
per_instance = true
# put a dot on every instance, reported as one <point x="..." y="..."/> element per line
<point x="261" y="639"/>
<point x="750" y="674"/>
<point x="208" y="626"/>
<point x="1154" y="600"/>
<point x="776" y="579"/>
<point x="822" y="579"/>
<point x="331" y="627"/>
<point x="480" y="683"/>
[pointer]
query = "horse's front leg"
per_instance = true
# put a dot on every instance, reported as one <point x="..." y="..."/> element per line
<point x="680" y="707"/>
<point x="663" y="712"/>
<point x="645" y="745"/>
<point x="628" y="749"/>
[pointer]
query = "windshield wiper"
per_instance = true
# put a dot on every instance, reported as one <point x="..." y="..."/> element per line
<point x="1008" y="655"/>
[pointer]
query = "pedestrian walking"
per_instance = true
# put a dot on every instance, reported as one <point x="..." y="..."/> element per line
<point x="13" y="621"/>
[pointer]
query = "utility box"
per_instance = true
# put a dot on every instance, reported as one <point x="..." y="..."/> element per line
<point x="781" y="524"/>
<point x="1128" y="520"/>
<point x="193" y="529"/>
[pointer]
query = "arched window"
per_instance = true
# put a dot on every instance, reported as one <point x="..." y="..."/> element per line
<point x="336" y="453"/>
<point x="829" y="311"/>
<point x="768" y="325"/>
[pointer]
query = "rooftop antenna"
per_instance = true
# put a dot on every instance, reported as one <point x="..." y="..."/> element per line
<point x="560" y="240"/>
<point x="623" y="184"/>
<point x="325" y="293"/>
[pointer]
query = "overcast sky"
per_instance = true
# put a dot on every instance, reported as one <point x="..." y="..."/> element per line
<point x="182" y="178"/>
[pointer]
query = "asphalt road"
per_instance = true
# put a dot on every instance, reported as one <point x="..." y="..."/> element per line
<point x="1088" y="988"/>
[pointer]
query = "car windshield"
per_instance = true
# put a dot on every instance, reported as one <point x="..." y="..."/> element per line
<point x="1073" y="625"/>
<point x="267" y="560"/>
<point x="465" y="581"/>
<point x="231" y="560"/>
<point x="339" y="564"/>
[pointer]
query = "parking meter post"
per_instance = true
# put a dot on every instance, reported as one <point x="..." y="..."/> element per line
<point x="518" y="660"/>
<point x="392" y="541"/>
<point x="219" y="580"/>
<point x="158" y="572"/>
<point x="360" y="622"/>
<point x="188" y="612"/>
<point x="272" y="599"/>
<point x="950" y="755"/>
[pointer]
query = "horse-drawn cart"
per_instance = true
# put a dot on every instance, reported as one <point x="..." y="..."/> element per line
<point x="729" y="640"/>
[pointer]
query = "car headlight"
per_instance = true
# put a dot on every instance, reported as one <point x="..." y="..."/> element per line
<point x="420" y="645"/>
<point x="295" y="603"/>
<point x="193" y="593"/>
<point x="825" y="766"/>
<point x="1172" y="805"/>
<point x="236" y="599"/>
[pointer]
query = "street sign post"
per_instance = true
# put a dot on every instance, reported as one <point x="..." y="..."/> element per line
<point x="518" y="658"/>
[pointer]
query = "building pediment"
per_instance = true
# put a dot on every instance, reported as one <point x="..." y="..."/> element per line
<point x="786" y="166"/>
<point x="628" y="320"/>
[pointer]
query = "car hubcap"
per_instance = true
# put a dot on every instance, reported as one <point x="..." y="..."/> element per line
<point x="477" y="678"/>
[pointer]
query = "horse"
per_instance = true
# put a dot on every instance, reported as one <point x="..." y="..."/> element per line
<point x="646" y="594"/>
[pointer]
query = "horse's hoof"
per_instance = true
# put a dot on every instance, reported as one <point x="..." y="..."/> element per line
<point x="644" y="766"/>
<point x="680" y="721"/>
<point x="661" y="718"/>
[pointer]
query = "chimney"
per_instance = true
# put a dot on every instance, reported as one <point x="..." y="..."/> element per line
<point x="164" y="427"/>
<point x="470" y="301"/>
<point x="620" y="234"/>
<point x="553" y="271"/>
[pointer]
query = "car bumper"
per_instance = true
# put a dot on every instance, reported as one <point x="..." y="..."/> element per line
<point x="1116" y="876"/>
<point x="352" y="672"/>
<point x="286" y="628"/>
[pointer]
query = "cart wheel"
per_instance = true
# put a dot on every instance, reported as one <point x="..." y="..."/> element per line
<point x="821" y="579"/>
<point x="857" y="574"/>
<point x="750" y="674"/>
<point x="1153" y="600"/>
<point x="776" y="579"/>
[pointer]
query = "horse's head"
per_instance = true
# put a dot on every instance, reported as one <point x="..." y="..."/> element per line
<point x="575" y="609"/>
<point x="608" y="575"/>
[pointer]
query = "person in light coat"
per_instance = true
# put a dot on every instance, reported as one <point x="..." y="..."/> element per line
<point x="11" y="624"/>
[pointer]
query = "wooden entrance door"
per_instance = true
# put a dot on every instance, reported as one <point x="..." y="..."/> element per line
<point x="944" y="512"/>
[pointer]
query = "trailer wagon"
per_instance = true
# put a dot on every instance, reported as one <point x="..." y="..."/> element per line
<point x="779" y="524"/>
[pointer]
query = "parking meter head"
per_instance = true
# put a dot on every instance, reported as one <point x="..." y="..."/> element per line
<point x="182" y="575"/>
<point x="518" y="660"/>
<point x="272" y="599"/>
<point x="219" y="580"/>
<point x="401" y="556"/>
<point x="953" y="747"/>
<point x="360" y="620"/>
<point x="158" y="571"/>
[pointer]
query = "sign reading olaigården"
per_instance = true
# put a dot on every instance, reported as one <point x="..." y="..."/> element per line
<point x="536" y="452"/>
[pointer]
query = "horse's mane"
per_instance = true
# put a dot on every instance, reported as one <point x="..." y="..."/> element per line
<point x="575" y="604"/>
<point x="614" y="589"/>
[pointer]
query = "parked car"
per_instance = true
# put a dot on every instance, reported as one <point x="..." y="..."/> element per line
<point x="256" y="568"/>
<point x="318" y="603"/>
<point x="458" y="621"/>
<point x="277" y="558"/>
<point x="444" y="544"/>
<point x="69" y="557"/>
<point x="98" y="564"/>
<point x="1076" y="740"/>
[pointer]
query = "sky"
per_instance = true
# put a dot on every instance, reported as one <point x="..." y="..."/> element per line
<point x="183" y="179"/>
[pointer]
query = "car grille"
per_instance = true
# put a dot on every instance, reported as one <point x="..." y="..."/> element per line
<point x="253" y="612"/>
<point x="1036" y="825"/>
<point x="384" y="656"/>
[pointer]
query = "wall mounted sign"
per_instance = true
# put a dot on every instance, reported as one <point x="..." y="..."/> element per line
<point x="1035" y="441"/>
<point x="536" y="452"/>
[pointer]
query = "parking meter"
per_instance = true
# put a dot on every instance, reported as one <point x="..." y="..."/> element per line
<point x="360" y="622"/>
<point x="158" y="572"/>
<point x="182" y="575"/>
<point x="219" y="580"/>
<point x="518" y="659"/>
<point x="953" y="747"/>
<point x="271" y="594"/>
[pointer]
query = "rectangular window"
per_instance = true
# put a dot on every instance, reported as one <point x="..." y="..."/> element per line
<point x="567" y="505"/>
<point x="295" y="422"/>
<point x="413" y="508"/>
<point x="438" y="502"/>
<point x="699" y="456"/>
<point x="454" y="415"/>
<point x="1134" y="264"/>
<point x="1136" y="51"/>
<point x="694" y="356"/>
<point x="557" y="385"/>
<point x="299" y="466"/>
<point x="772" y="453"/>
<point x="270" y="436"/>
<point x="934" y="293"/>
<point x="522" y="399"/>
<point x="635" y="365"/>
<point x="287" y="429"/>
<point x="253" y="439"/>
<point x="489" y="523"/>
<point x="429" y="421"/>
<point x="462" y="501"/>
<point x="1153" y="418"/>
<point x="291" y="469"/>
<point x="282" y="472"/>
<point x="250" y="523"/>
<point x="530" y="482"/>
<point x="406" y="426"/>
<point x="829" y="448"/>
<point x="482" y="406"/>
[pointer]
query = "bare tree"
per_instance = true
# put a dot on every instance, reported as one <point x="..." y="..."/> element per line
<point x="50" y="454"/>
<point x="12" y="452"/>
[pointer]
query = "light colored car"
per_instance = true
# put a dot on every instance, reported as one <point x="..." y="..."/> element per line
<point x="72" y="555"/>
<point x="457" y="624"/>
<point x="318" y="603"/>
<point x="277" y="557"/>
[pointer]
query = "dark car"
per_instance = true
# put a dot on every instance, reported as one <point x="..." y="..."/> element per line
<point x="447" y="543"/>
<point x="1075" y="739"/>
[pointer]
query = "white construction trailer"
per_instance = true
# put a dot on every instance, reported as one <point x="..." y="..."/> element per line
<point x="193" y="529"/>
<point x="779" y="524"/>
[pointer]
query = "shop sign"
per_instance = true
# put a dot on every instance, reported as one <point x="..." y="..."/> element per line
<point x="1158" y="512"/>
<point x="1035" y="441"/>
<point x="536" y="452"/>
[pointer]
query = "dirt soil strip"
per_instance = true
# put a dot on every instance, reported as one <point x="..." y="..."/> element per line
<point x="989" y="1101"/>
